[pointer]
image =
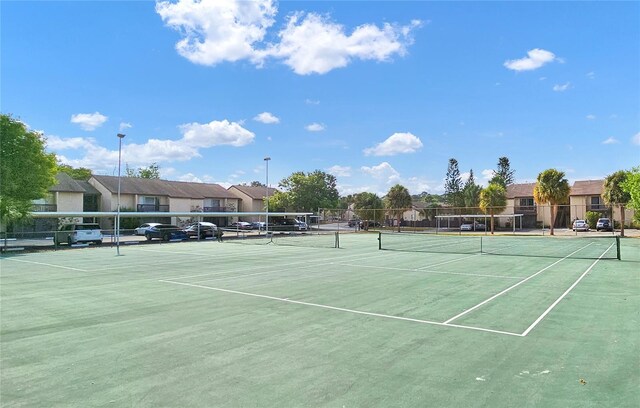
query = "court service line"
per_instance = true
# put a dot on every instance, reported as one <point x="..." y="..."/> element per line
<point x="305" y="263"/>
<point x="550" y="308"/>
<point x="46" y="264"/>
<point x="391" y="268"/>
<point x="513" y="286"/>
<point x="341" y="309"/>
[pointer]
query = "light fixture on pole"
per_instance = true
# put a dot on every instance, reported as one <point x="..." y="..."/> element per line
<point x="120" y="137"/>
<point x="266" y="225"/>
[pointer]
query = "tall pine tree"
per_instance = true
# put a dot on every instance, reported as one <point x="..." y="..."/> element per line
<point x="503" y="175"/>
<point x="453" y="185"/>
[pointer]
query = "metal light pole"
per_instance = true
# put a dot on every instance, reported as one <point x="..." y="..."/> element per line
<point x="266" y="225"/>
<point x="120" y="137"/>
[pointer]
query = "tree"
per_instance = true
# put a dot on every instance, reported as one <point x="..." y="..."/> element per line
<point x="453" y="185"/>
<point x="631" y="186"/>
<point x="503" y="175"/>
<point x="614" y="194"/>
<point x="471" y="192"/>
<point x="493" y="199"/>
<point x="80" y="173"/>
<point x="398" y="200"/>
<point x="367" y="205"/>
<point x="26" y="170"/>
<point x="551" y="188"/>
<point x="151" y="172"/>
<point x="306" y="192"/>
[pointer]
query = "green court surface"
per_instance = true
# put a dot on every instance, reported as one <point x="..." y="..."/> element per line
<point x="429" y="322"/>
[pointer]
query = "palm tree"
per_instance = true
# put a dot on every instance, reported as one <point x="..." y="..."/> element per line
<point x="614" y="195"/>
<point x="493" y="199"/>
<point x="551" y="188"/>
<point x="398" y="200"/>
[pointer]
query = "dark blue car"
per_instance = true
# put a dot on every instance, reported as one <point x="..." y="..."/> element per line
<point x="165" y="232"/>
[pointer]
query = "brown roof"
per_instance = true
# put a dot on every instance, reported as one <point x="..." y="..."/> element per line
<point x="587" y="187"/>
<point x="520" y="190"/>
<point x="256" y="193"/>
<point x="157" y="187"/>
<point x="64" y="183"/>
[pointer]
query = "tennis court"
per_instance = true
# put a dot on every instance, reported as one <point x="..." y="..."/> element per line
<point x="424" y="321"/>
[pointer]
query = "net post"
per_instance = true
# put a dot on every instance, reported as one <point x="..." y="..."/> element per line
<point x="337" y="241"/>
<point x="481" y="244"/>
<point x="618" y="247"/>
<point x="379" y="240"/>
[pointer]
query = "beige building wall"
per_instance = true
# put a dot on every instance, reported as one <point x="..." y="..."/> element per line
<point x="105" y="196"/>
<point x="67" y="201"/>
<point x="628" y="215"/>
<point x="578" y="207"/>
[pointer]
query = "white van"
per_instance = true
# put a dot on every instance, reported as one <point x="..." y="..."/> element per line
<point x="74" y="233"/>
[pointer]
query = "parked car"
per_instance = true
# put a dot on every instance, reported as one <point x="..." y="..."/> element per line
<point x="604" y="224"/>
<point x="144" y="227"/>
<point x="241" y="225"/>
<point x="165" y="232"/>
<point x="206" y="229"/>
<point x="353" y="222"/>
<point x="79" y="232"/>
<point x="258" y="225"/>
<point x="288" y="224"/>
<point x="369" y="224"/>
<point x="580" y="225"/>
<point x="475" y="226"/>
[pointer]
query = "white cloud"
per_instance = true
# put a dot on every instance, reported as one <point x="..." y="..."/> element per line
<point x="487" y="174"/>
<point x="315" y="127"/>
<point x="381" y="171"/>
<point x="89" y="121"/>
<point x="395" y="144"/>
<point x="58" y="143"/>
<point x="611" y="140"/>
<point x="216" y="133"/>
<point x="535" y="59"/>
<point x="340" y="171"/>
<point x="195" y="136"/>
<point x="124" y="125"/>
<point x="267" y="118"/>
<point x="312" y="102"/>
<point x="591" y="117"/>
<point x="216" y="31"/>
<point x="313" y="44"/>
<point x="190" y="177"/>
<point x="561" y="88"/>
<point x="591" y="75"/>
<point x="636" y="139"/>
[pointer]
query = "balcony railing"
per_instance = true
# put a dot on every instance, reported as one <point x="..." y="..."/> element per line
<point x="526" y="209"/>
<point x="44" y="207"/>
<point x="596" y="207"/>
<point x="152" y="208"/>
<point x="214" y="209"/>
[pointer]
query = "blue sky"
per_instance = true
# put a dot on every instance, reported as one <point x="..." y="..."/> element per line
<point x="375" y="92"/>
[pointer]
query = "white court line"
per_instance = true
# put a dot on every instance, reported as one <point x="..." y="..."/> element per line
<point x="513" y="286"/>
<point x="449" y="261"/>
<point x="539" y="319"/>
<point x="341" y="309"/>
<point x="46" y="264"/>
<point x="429" y="271"/>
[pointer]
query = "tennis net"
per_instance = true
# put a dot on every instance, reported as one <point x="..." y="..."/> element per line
<point x="552" y="247"/>
<point x="330" y="239"/>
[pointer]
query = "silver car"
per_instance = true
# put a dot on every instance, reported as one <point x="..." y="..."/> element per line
<point x="81" y="232"/>
<point x="145" y="227"/>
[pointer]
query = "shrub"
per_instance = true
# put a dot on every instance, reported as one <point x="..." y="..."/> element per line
<point x="592" y="218"/>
